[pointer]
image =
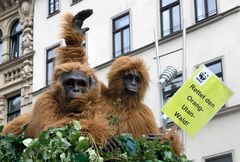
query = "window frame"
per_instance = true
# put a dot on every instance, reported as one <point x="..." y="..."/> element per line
<point x="17" y="111"/>
<point x="167" y="120"/>
<point x="212" y="62"/>
<point x="170" y="7"/>
<point x="219" y="156"/>
<point x="206" y="13"/>
<point x="75" y="1"/>
<point x="215" y="62"/>
<point x="51" y="60"/>
<point x="18" y="39"/>
<point x="121" y="32"/>
<point x="1" y="45"/>
<point x="54" y="7"/>
<point x="179" y="75"/>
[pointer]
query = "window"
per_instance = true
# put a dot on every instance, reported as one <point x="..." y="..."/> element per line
<point x="50" y="64"/>
<point x="75" y="1"/>
<point x="216" y="68"/>
<point x="205" y="9"/>
<point x="15" y="41"/>
<point x="172" y="87"/>
<point x="121" y="35"/>
<point x="14" y="105"/>
<point x="170" y="17"/>
<point x="221" y="158"/>
<point x="1" y="46"/>
<point x="169" y="90"/>
<point x="53" y="6"/>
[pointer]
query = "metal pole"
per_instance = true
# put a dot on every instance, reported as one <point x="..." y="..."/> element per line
<point x="184" y="48"/>
<point x="158" y="70"/>
<point x="183" y="60"/>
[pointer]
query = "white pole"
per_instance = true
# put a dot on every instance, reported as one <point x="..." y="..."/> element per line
<point x="183" y="60"/>
<point x="157" y="53"/>
<point x="158" y="70"/>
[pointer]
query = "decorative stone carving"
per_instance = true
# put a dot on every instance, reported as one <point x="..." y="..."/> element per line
<point x="12" y="74"/>
<point x="26" y="74"/>
<point x="2" y="107"/>
<point x="6" y="5"/>
<point x="25" y="9"/>
<point x="27" y="70"/>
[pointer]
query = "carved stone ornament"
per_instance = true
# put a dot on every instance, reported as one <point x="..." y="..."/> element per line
<point x="2" y="106"/>
<point x="25" y="10"/>
<point x="26" y="69"/>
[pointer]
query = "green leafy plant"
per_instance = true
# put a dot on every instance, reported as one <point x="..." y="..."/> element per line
<point x="144" y="150"/>
<point x="60" y="144"/>
<point x="11" y="147"/>
<point x="68" y="144"/>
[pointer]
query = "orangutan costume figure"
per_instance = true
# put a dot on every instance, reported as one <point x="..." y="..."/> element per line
<point x="73" y="93"/>
<point x="122" y="100"/>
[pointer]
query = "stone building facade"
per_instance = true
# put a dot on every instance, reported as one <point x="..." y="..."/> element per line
<point x="16" y="55"/>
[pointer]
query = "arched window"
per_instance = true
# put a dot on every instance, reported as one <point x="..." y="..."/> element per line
<point x="15" y="41"/>
<point x="1" y="46"/>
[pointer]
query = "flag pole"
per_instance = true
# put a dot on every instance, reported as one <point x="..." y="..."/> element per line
<point x="183" y="59"/>
<point x="158" y="71"/>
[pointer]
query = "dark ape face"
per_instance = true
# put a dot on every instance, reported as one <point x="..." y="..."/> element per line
<point x="75" y="83"/>
<point x="132" y="81"/>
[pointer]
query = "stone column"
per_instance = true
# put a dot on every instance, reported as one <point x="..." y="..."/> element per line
<point x="5" y="44"/>
<point x="25" y="9"/>
<point x="26" y="74"/>
<point x="2" y="108"/>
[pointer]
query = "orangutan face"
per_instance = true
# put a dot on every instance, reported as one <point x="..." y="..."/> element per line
<point x="75" y="83"/>
<point x="132" y="81"/>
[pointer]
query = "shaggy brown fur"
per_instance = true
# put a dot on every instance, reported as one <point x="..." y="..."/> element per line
<point x="74" y="50"/>
<point x="16" y="125"/>
<point x="50" y="109"/>
<point x="173" y="137"/>
<point x="128" y="112"/>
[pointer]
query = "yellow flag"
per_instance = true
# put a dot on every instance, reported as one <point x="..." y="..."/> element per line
<point x="197" y="101"/>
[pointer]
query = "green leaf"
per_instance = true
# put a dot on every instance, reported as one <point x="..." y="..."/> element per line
<point x="74" y="136"/>
<point x="168" y="155"/>
<point x="59" y="134"/>
<point x="1" y="128"/>
<point x="65" y="142"/>
<point x="82" y="157"/>
<point x="27" y="141"/>
<point x="62" y="156"/>
<point x="83" y="145"/>
<point x="43" y="137"/>
<point x="76" y="125"/>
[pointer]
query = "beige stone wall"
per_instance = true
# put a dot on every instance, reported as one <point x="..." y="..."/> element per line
<point x="16" y="74"/>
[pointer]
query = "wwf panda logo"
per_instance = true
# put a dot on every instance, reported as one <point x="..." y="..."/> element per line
<point x="203" y="76"/>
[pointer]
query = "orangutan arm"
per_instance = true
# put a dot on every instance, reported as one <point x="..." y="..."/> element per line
<point x="46" y="111"/>
<point x="16" y="125"/>
<point x="97" y="129"/>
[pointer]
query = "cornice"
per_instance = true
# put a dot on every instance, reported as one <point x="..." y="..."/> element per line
<point x="7" y="7"/>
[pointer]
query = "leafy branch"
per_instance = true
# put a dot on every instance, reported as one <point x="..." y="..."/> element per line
<point x="68" y="144"/>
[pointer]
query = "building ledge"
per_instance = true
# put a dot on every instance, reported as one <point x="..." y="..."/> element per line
<point x="227" y="110"/>
<point x="39" y="91"/>
<point x="19" y="60"/>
